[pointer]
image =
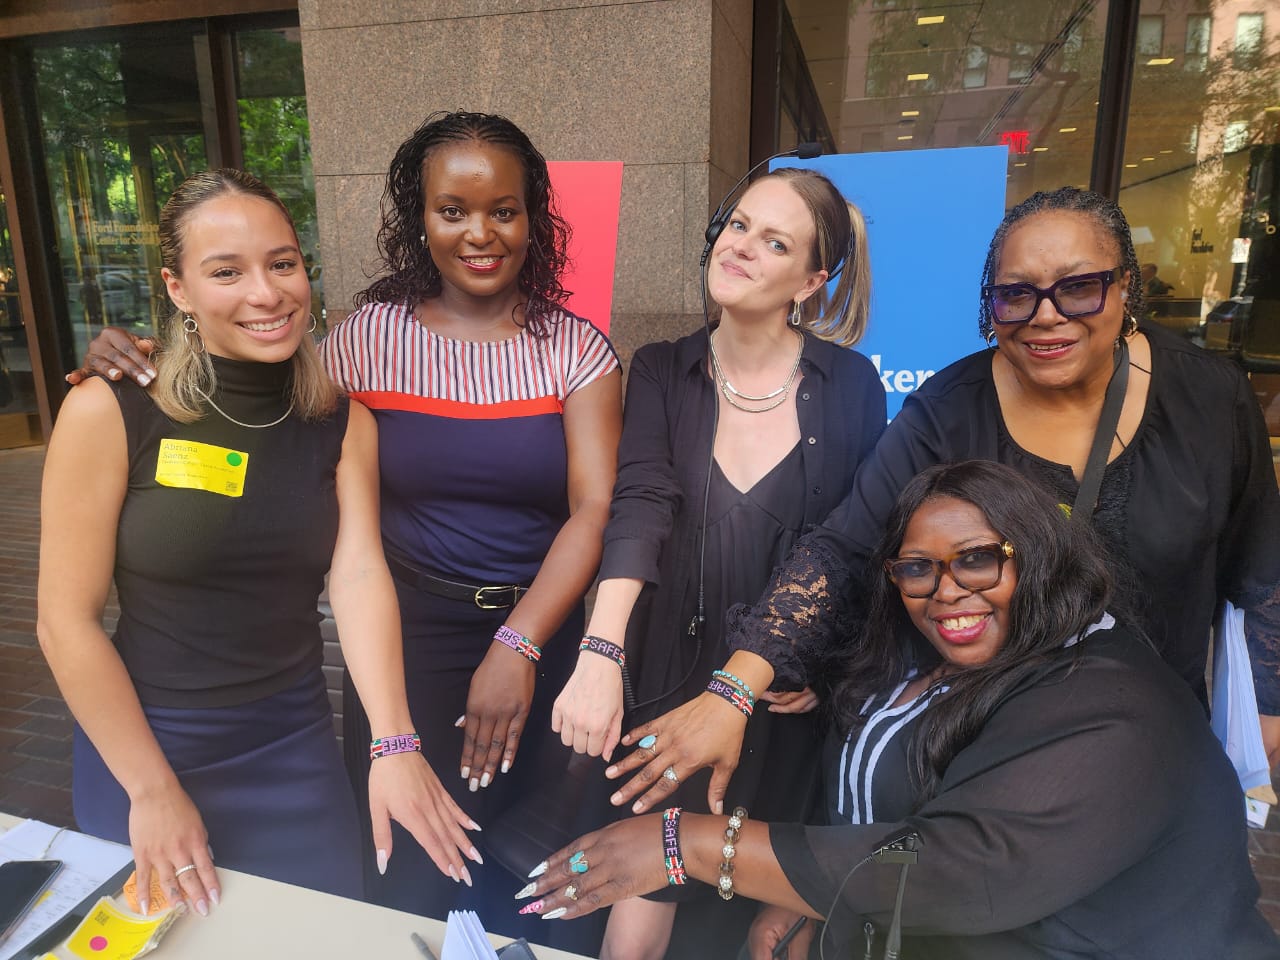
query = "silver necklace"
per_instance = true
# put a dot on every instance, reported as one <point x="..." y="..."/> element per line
<point x="240" y="423"/>
<point x="778" y="396"/>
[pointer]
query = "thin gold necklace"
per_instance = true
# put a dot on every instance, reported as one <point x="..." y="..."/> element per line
<point x="730" y="391"/>
<point x="240" y="423"/>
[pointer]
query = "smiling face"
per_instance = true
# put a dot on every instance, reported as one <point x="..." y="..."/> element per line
<point x="1049" y="351"/>
<point x="242" y="279"/>
<point x="476" y="220"/>
<point x="761" y="262"/>
<point x="966" y="627"/>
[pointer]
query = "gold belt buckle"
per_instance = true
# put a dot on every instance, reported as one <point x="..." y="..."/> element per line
<point x="483" y="603"/>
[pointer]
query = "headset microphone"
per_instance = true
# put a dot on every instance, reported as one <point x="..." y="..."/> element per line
<point x="804" y="151"/>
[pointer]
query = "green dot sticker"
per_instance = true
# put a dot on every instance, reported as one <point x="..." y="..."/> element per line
<point x="234" y="459"/>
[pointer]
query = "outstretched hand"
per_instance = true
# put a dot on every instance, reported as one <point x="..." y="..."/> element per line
<point x="705" y="732"/>
<point x="498" y="704"/>
<point x="114" y="353"/>
<point x="588" y="712"/>
<point x="168" y="837"/>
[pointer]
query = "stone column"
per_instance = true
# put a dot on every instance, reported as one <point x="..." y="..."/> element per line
<point x="663" y="85"/>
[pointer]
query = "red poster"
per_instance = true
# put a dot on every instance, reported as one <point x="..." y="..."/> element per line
<point x="588" y="195"/>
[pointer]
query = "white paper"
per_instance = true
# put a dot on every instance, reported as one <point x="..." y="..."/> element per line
<point x="87" y="864"/>
<point x="1235" y="706"/>
<point x="465" y="939"/>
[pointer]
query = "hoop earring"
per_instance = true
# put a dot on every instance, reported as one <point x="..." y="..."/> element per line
<point x="990" y="337"/>
<point x="190" y="327"/>
<point x="794" y="317"/>
<point x="312" y="328"/>
<point x="1130" y="325"/>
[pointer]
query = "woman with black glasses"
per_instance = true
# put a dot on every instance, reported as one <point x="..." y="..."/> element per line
<point x="1057" y="782"/>
<point x="1159" y="445"/>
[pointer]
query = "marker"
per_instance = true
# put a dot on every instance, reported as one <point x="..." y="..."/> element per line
<point x="422" y="947"/>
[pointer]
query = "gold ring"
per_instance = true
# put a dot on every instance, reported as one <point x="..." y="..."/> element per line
<point x="571" y="892"/>
<point x="181" y="870"/>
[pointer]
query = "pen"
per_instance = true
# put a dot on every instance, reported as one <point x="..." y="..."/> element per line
<point x="780" y="950"/>
<point x="422" y="947"/>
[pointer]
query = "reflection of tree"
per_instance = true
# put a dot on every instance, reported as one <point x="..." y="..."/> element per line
<point x="277" y="150"/>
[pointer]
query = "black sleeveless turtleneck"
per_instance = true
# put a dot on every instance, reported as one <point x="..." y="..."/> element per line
<point x="223" y="542"/>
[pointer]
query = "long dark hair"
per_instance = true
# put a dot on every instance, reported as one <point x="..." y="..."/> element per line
<point x="1063" y="587"/>
<point x="1104" y="211"/>
<point x="410" y="275"/>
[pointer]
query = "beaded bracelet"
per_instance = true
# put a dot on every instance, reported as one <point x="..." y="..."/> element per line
<point x="389" y="746"/>
<point x="733" y="695"/>
<point x="729" y="851"/>
<point x="519" y="643"/>
<point x="606" y="648"/>
<point x="671" y="847"/>
<point x="737" y="681"/>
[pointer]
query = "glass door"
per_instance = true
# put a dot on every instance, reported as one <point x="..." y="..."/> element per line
<point x="19" y="417"/>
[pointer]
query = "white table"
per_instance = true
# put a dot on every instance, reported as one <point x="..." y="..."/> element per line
<point x="267" y="919"/>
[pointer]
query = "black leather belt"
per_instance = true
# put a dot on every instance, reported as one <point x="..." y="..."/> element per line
<point x="484" y="597"/>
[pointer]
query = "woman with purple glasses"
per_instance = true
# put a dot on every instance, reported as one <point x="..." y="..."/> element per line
<point x="1159" y="445"/>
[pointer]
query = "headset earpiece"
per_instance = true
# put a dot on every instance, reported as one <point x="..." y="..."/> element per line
<point x="716" y="226"/>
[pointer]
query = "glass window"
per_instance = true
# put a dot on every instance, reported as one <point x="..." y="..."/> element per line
<point x="19" y="418"/>
<point x="926" y="76"/>
<point x="1150" y="36"/>
<point x="121" y="125"/>
<point x="1201" y="189"/>
<point x="275" y="136"/>
<point x="1199" y="26"/>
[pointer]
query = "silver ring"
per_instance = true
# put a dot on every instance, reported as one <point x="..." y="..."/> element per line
<point x="670" y="774"/>
<point x="571" y="892"/>
<point x="181" y="870"/>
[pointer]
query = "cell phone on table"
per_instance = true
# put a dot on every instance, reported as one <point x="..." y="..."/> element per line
<point x="21" y="884"/>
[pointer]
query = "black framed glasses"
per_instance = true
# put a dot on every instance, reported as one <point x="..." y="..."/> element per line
<point x="974" y="569"/>
<point x="1081" y="295"/>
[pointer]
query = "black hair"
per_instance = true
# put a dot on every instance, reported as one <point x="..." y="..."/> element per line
<point x="1104" y="211"/>
<point x="410" y="275"/>
<point x="1063" y="587"/>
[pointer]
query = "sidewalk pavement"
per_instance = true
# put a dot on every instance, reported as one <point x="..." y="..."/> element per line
<point x="35" y="725"/>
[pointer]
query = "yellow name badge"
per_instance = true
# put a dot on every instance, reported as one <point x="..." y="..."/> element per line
<point x="201" y="466"/>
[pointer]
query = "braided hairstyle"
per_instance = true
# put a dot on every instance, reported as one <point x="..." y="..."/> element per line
<point x="1105" y="212"/>
<point x="410" y="276"/>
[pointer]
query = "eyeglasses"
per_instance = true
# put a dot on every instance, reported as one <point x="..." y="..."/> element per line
<point x="1081" y="295"/>
<point x="974" y="569"/>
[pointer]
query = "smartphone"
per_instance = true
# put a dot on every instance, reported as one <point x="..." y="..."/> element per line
<point x="21" y="883"/>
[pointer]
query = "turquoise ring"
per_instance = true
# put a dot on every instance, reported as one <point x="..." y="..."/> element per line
<point x="648" y="742"/>
<point x="578" y="862"/>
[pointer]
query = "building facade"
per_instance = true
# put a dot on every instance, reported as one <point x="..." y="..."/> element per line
<point x="1171" y="105"/>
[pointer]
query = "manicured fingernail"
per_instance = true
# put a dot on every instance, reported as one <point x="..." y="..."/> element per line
<point x="527" y="891"/>
<point x="475" y="826"/>
<point x="151" y="373"/>
<point x="143" y="906"/>
<point x="474" y="854"/>
<point x="610" y="771"/>
<point x="616" y="799"/>
<point x="506" y="765"/>
<point x="466" y="875"/>
<point x="453" y="872"/>
<point x="719" y="807"/>
<point x="382" y="862"/>
<point x="532" y="907"/>
<point x="461" y="721"/>
<point x="113" y="373"/>
<point x="144" y="380"/>
<point x="215" y="896"/>
<point x="637" y="807"/>
<point x="539" y="870"/>
<point x="466" y="772"/>
<point x="474" y="785"/>
<point x="202" y="908"/>
<point x="484" y="779"/>
<point x="555" y="914"/>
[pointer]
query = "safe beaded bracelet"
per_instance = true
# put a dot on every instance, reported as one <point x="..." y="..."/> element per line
<point x="671" y="847"/>
<point x="519" y="643"/>
<point x="389" y="746"/>
<point x="606" y="648"/>
<point x="736" y="681"/>
<point x="733" y="695"/>
<point x="729" y="851"/>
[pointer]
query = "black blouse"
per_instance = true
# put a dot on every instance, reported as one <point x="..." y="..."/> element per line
<point x="1189" y="511"/>
<point x="1093" y="816"/>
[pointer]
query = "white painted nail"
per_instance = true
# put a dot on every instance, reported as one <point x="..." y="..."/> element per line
<point x="151" y="373"/>
<point x="466" y="875"/>
<point x="113" y="373"/>
<point x="526" y="891"/>
<point x="474" y="854"/>
<point x="539" y="870"/>
<point x="506" y="766"/>
<point x="466" y="772"/>
<point x="382" y="862"/>
<point x="461" y="721"/>
<point x="143" y="906"/>
<point x="484" y="779"/>
<point x="474" y="785"/>
<point x="215" y="896"/>
<point x="453" y="872"/>
<point x="202" y="908"/>
<point x="475" y="826"/>
<point x="555" y="914"/>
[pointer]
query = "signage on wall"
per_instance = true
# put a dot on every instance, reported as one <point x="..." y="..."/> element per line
<point x="1018" y="141"/>
<point x="589" y="195"/>
<point x="930" y="215"/>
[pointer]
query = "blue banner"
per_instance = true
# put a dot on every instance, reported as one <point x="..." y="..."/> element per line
<point x="930" y="215"/>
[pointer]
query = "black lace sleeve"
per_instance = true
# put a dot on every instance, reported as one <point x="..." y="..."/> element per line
<point x="805" y="609"/>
